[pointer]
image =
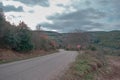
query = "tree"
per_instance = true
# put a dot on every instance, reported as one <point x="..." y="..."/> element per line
<point x="38" y="27"/>
<point x="23" y="26"/>
<point x="11" y="39"/>
<point x="2" y="23"/>
<point x="77" y="38"/>
<point x="19" y="39"/>
<point x="25" y="43"/>
<point x="4" y="29"/>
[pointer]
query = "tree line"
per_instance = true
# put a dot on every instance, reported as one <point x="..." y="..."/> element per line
<point x="21" y="38"/>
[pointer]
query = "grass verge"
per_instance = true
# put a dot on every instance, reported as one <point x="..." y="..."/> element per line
<point x="84" y="68"/>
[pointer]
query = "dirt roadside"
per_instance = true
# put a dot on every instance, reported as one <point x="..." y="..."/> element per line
<point x="113" y="69"/>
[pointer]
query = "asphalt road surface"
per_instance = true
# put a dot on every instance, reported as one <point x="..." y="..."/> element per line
<point x="40" y="68"/>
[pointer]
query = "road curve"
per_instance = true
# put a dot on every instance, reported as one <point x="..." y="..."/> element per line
<point x="40" y="68"/>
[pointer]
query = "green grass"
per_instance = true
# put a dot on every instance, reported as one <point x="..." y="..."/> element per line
<point x="82" y="67"/>
<point x="89" y="76"/>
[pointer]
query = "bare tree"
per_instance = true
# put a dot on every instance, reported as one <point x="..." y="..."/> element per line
<point x="38" y="27"/>
<point x="77" y="38"/>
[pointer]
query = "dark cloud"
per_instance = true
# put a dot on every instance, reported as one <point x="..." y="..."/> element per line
<point x="104" y="2"/>
<point x="97" y="24"/>
<point x="9" y="8"/>
<point x="44" y="3"/>
<point x="101" y="15"/>
<point x="88" y="13"/>
<point x="113" y="3"/>
<point x="117" y="26"/>
<point x="111" y="7"/>
<point x="79" y="19"/>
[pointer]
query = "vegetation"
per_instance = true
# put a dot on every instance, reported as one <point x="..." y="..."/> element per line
<point x="16" y="39"/>
<point x="86" y="66"/>
<point x="108" y="42"/>
<point x="20" y="38"/>
<point x="107" y="39"/>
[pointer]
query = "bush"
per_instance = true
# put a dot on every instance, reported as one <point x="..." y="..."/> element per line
<point x="93" y="48"/>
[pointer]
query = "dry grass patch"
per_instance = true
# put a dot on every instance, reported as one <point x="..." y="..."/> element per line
<point x="10" y="56"/>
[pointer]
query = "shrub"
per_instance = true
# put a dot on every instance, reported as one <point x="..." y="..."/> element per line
<point x="93" y="48"/>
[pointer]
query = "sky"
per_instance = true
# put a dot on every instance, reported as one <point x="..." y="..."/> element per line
<point x="64" y="15"/>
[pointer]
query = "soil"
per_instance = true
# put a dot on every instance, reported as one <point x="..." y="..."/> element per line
<point x="113" y="72"/>
<point x="9" y="55"/>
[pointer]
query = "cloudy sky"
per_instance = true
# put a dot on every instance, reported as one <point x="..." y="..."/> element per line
<point x="64" y="15"/>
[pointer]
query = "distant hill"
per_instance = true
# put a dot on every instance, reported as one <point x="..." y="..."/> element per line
<point x="53" y="35"/>
<point x="109" y="39"/>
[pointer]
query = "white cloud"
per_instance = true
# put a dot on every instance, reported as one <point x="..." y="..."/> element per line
<point x="39" y="14"/>
<point x="48" y="29"/>
<point x="55" y="2"/>
<point x="10" y="2"/>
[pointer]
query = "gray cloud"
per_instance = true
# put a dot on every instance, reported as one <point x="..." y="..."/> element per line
<point x="111" y="7"/>
<point x="104" y="2"/>
<point x="117" y="26"/>
<point x="89" y="14"/>
<point x="101" y="15"/>
<point x="88" y="3"/>
<point x="116" y="5"/>
<point x="80" y="15"/>
<point x="97" y="24"/>
<point x="9" y="8"/>
<point x="31" y="11"/>
<point x="44" y="3"/>
<point x="80" y="19"/>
